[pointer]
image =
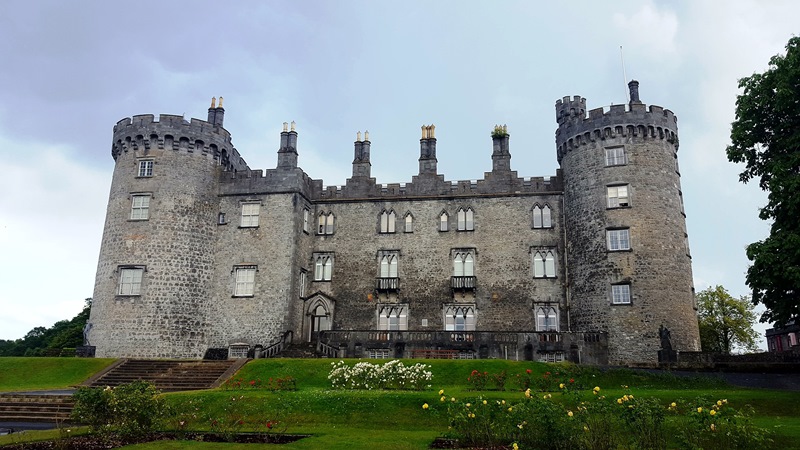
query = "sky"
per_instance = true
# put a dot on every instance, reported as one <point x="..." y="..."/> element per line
<point x="71" y="70"/>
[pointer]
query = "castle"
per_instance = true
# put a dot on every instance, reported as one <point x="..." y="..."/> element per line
<point x="201" y="254"/>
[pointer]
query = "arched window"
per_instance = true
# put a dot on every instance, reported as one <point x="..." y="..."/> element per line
<point x="393" y="317"/>
<point x="388" y="266"/>
<point x="544" y="263"/>
<point x="388" y="219"/>
<point x="409" y="223"/>
<point x="443" y="222"/>
<point x="325" y="223"/>
<point x="463" y="264"/>
<point x="323" y="267"/>
<point x="465" y="219"/>
<point x="546" y="319"/>
<point x="542" y="217"/>
<point x="459" y="318"/>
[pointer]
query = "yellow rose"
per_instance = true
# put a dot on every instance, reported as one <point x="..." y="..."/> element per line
<point x="453" y="399"/>
<point x="619" y="400"/>
<point x="673" y="404"/>
<point x="515" y="446"/>
<point x="425" y="406"/>
<point x="469" y="404"/>
<point x="569" y="413"/>
<point x="528" y="393"/>
<point x="441" y="391"/>
<point x="699" y="409"/>
<point x="719" y="402"/>
<point x="596" y="389"/>
<point x="561" y="386"/>
<point x="510" y="409"/>
<point x="712" y="412"/>
<point x="484" y="402"/>
<point x="713" y="427"/>
<point x="442" y="399"/>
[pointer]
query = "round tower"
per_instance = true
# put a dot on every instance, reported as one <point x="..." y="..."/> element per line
<point x="156" y="259"/>
<point x="630" y="270"/>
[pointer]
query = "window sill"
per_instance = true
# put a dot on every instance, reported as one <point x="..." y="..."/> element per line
<point x="542" y="228"/>
<point x="243" y="296"/>
<point x="138" y="220"/>
<point x="321" y="281"/>
<point x="126" y="296"/>
<point x="618" y="207"/>
<point x="466" y="231"/>
<point x="143" y="176"/>
<point x="622" y="304"/>
<point x="545" y="278"/>
<point x="623" y="250"/>
<point x="249" y="227"/>
<point x="617" y="165"/>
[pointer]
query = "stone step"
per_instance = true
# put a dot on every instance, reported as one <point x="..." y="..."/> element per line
<point x="35" y="407"/>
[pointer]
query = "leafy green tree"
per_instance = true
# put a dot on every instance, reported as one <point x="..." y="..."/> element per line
<point x="766" y="137"/>
<point x="63" y="334"/>
<point x="725" y="322"/>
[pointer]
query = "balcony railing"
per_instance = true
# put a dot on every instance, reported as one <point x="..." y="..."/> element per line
<point x="387" y="283"/>
<point x="462" y="283"/>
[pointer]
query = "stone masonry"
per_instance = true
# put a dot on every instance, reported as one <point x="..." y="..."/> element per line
<point x="200" y="252"/>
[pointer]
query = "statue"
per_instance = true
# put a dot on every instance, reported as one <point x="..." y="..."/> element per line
<point x="86" y="329"/>
<point x="665" y="335"/>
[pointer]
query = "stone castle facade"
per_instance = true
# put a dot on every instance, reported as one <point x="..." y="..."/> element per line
<point x="200" y="252"/>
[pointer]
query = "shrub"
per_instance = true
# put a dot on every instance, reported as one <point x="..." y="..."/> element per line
<point x="391" y="375"/>
<point x="131" y="409"/>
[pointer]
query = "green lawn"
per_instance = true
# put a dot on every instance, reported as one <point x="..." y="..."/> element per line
<point x="339" y="419"/>
<point x="20" y="374"/>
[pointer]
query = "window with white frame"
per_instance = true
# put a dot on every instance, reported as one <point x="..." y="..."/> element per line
<point x="615" y="156"/>
<point x="459" y="318"/>
<point x="466" y="220"/>
<point x="617" y="196"/>
<point x="546" y="318"/>
<point x="544" y="263"/>
<point x="393" y="317"/>
<point x="444" y="223"/>
<point x="245" y="281"/>
<point x="306" y="218"/>
<point x="620" y="294"/>
<point x="618" y="239"/>
<point x="140" y="206"/>
<point x="463" y="263"/>
<point x="323" y="266"/>
<point x="145" y="168"/>
<point x="408" y="223"/>
<point x="130" y="280"/>
<point x="325" y="223"/>
<point x="388" y="221"/>
<point x="542" y="217"/>
<point x="250" y="213"/>
<point x="388" y="265"/>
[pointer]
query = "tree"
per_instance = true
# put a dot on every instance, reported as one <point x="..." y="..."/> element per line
<point x="725" y="322"/>
<point x="766" y="137"/>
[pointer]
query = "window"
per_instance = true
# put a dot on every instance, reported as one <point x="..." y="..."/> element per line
<point x="388" y="220"/>
<point x="146" y="168"/>
<point x="305" y="220"/>
<point x="465" y="219"/>
<point x="221" y="219"/>
<point x="323" y="266"/>
<point x="378" y="353"/>
<point x="618" y="239"/>
<point x="393" y="317"/>
<point x="544" y="263"/>
<point x="130" y="281"/>
<point x="409" y="223"/>
<point x="443" y="222"/>
<point x="459" y="318"/>
<point x="546" y="318"/>
<point x="245" y="281"/>
<point x="388" y="266"/>
<point x="325" y="223"/>
<point x="463" y="264"/>
<point x="615" y="156"/>
<point x="301" y="288"/>
<point x="620" y="294"/>
<point x="542" y="217"/>
<point x="617" y="196"/>
<point x="140" y="206"/>
<point x="250" y="215"/>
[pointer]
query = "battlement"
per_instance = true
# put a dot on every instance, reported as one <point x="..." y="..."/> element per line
<point x="143" y="133"/>
<point x="576" y="128"/>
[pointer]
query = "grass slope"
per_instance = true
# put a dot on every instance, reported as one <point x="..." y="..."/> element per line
<point x="26" y="374"/>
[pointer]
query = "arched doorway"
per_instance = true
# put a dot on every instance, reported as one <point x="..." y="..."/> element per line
<point x="319" y="316"/>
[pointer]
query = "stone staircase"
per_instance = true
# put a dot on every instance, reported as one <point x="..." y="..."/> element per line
<point x="299" y="350"/>
<point x="32" y="407"/>
<point x="169" y="375"/>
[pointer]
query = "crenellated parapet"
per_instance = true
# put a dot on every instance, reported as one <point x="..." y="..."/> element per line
<point x="636" y="120"/>
<point x="172" y="132"/>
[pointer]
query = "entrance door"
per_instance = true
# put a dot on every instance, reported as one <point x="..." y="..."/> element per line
<point x="319" y="322"/>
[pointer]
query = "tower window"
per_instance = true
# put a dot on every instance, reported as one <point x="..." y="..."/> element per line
<point x="130" y="281"/>
<point x="145" y="168"/>
<point x="325" y="223"/>
<point x="617" y="196"/>
<point x="618" y="239"/>
<point x="544" y="263"/>
<point x="615" y="156"/>
<point x="620" y="294"/>
<point x="140" y="206"/>
<point x="306" y="225"/>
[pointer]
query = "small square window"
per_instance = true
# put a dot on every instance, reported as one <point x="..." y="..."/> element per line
<point x="621" y="294"/>
<point x="140" y="207"/>
<point x="145" y="168"/>
<point x="130" y="281"/>
<point x="615" y="156"/>
<point x="618" y="239"/>
<point x="618" y="196"/>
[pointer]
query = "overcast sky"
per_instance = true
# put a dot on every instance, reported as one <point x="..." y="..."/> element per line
<point x="71" y="70"/>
